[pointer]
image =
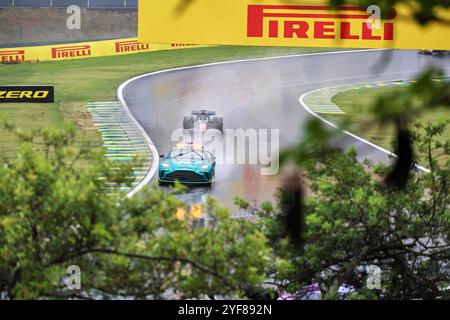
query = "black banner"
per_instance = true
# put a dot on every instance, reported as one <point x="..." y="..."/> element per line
<point x="27" y="94"/>
<point x="240" y="310"/>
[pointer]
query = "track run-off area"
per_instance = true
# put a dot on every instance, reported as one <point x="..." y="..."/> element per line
<point x="265" y="93"/>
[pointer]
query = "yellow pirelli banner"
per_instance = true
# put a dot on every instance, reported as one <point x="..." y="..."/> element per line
<point x="306" y="23"/>
<point x="82" y="50"/>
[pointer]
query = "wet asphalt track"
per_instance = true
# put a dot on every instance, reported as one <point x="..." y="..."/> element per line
<point x="262" y="95"/>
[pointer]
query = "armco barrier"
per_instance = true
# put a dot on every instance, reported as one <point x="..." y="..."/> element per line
<point x="65" y="3"/>
<point x="82" y="50"/>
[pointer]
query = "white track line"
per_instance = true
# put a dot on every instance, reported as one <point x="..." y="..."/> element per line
<point x="150" y="143"/>
<point x="305" y="106"/>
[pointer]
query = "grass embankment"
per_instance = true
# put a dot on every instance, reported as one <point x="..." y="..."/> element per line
<point x="79" y="81"/>
<point x="357" y="104"/>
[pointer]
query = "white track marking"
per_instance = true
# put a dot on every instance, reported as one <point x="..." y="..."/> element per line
<point x="150" y="143"/>
<point x="305" y="106"/>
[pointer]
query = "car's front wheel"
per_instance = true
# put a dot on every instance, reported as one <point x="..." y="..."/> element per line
<point x="188" y="122"/>
<point x="216" y="123"/>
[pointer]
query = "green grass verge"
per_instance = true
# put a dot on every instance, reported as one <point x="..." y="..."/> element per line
<point x="357" y="104"/>
<point x="79" y="81"/>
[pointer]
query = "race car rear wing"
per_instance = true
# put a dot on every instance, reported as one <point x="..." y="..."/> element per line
<point x="203" y="113"/>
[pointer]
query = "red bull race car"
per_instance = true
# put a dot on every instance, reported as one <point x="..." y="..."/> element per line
<point x="203" y="120"/>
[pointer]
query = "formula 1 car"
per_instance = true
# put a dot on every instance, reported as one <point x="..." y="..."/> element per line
<point x="432" y="52"/>
<point x="203" y="120"/>
<point x="187" y="163"/>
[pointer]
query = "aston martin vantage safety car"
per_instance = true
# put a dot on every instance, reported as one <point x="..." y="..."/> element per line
<point x="187" y="163"/>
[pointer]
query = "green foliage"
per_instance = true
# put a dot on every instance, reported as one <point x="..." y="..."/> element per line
<point x="423" y="10"/>
<point x="354" y="220"/>
<point x="358" y="106"/>
<point x="54" y="212"/>
<point x="406" y="105"/>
